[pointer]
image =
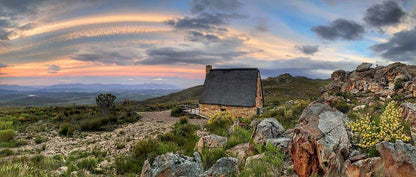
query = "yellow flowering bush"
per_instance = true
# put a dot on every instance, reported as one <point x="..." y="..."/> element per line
<point x="220" y="122"/>
<point x="369" y="132"/>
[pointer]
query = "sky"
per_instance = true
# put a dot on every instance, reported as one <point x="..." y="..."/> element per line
<point x="49" y="42"/>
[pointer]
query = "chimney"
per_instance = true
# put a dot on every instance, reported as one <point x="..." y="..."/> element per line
<point x="207" y="69"/>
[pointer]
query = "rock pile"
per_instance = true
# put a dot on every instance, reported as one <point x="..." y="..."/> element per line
<point x="382" y="81"/>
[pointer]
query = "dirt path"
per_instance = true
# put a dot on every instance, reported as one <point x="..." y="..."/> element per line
<point x="116" y="142"/>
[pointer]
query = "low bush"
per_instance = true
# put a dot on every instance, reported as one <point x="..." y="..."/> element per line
<point x="66" y="130"/>
<point x="7" y="135"/>
<point x="38" y="139"/>
<point x="6" y="152"/>
<point x="210" y="156"/>
<point x="4" y="125"/>
<point x="220" y="123"/>
<point x="287" y="114"/>
<point x="239" y="136"/>
<point x="88" y="164"/>
<point x="177" y="112"/>
<point x="398" y="84"/>
<point x="270" y="164"/>
<point x="341" y="106"/>
<point x="127" y="165"/>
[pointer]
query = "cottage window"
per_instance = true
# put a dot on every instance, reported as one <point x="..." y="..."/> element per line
<point x="223" y="110"/>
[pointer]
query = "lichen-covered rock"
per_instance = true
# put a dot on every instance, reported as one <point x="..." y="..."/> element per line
<point x="211" y="141"/>
<point x="374" y="81"/>
<point x="321" y="143"/>
<point x="363" y="168"/>
<point x="399" y="158"/>
<point x="224" y="167"/>
<point x="409" y="114"/>
<point x="172" y="165"/>
<point x="240" y="151"/>
<point x="363" y="67"/>
<point x="268" y="128"/>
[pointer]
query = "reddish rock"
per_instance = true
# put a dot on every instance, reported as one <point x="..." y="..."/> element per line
<point x="399" y="159"/>
<point x="321" y="142"/>
<point x="364" y="168"/>
<point x="409" y="114"/>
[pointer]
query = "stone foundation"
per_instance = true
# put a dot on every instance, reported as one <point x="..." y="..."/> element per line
<point x="236" y="111"/>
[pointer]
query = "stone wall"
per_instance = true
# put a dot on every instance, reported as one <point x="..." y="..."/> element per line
<point x="236" y="111"/>
<point x="259" y="93"/>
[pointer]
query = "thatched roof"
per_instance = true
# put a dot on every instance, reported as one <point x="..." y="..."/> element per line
<point x="231" y="87"/>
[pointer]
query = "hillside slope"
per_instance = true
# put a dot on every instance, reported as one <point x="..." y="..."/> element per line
<point x="276" y="90"/>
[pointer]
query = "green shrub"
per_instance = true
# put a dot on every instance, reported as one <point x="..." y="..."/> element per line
<point x="95" y="124"/>
<point x="87" y="163"/>
<point x="341" y="106"/>
<point x="220" y="123"/>
<point x="4" y="125"/>
<point x="210" y="156"/>
<point x="66" y="130"/>
<point x="239" y="136"/>
<point x="177" y="112"/>
<point x="398" y="84"/>
<point x="6" y="152"/>
<point x="270" y="164"/>
<point x="124" y="165"/>
<point x="7" y="135"/>
<point x="38" y="140"/>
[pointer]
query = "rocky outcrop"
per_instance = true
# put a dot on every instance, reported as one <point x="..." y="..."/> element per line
<point x="268" y="128"/>
<point x="171" y="165"/>
<point x="363" y="168"/>
<point x="409" y="115"/>
<point x="380" y="81"/>
<point x="240" y="151"/>
<point x="224" y="167"/>
<point x="211" y="142"/>
<point x="399" y="158"/>
<point x="321" y="143"/>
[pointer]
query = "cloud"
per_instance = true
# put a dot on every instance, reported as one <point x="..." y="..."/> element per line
<point x="120" y="55"/>
<point x="401" y="47"/>
<point x="387" y="13"/>
<point x="261" y="24"/>
<point x="196" y="36"/>
<point x="53" y="68"/>
<point x="170" y="55"/>
<point x="340" y="29"/>
<point x="3" y="65"/>
<point x="308" y="49"/>
<point x="199" y="6"/>
<point x="27" y="26"/>
<point x="158" y="79"/>
<point x="204" y="21"/>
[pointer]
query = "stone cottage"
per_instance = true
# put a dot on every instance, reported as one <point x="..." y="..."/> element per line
<point x="236" y="90"/>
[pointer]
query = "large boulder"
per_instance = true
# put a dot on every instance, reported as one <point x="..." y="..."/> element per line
<point x="170" y="165"/>
<point x="211" y="142"/>
<point x="363" y="67"/>
<point x="399" y="158"/>
<point x="363" y="168"/>
<point x="224" y="167"/>
<point x="321" y="143"/>
<point x="240" y="151"/>
<point x="409" y="114"/>
<point x="268" y="128"/>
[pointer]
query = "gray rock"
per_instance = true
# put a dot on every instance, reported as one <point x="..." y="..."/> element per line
<point x="211" y="141"/>
<point x="61" y="170"/>
<point x="364" y="67"/>
<point x="224" y="167"/>
<point x="268" y="128"/>
<point x="322" y="141"/>
<point x="171" y="165"/>
<point x="399" y="158"/>
<point x="280" y="142"/>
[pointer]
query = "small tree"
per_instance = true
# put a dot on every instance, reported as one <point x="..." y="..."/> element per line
<point x="105" y="102"/>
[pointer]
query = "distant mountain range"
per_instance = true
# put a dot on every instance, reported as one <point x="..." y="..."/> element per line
<point x="78" y="87"/>
<point x="67" y="94"/>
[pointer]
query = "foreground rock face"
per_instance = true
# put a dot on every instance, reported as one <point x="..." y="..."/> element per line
<point x="379" y="81"/>
<point x="224" y="167"/>
<point x="365" y="167"/>
<point x="211" y="141"/>
<point x="268" y="128"/>
<point x="409" y="114"/>
<point x="399" y="158"/>
<point x="321" y="142"/>
<point x="171" y="165"/>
